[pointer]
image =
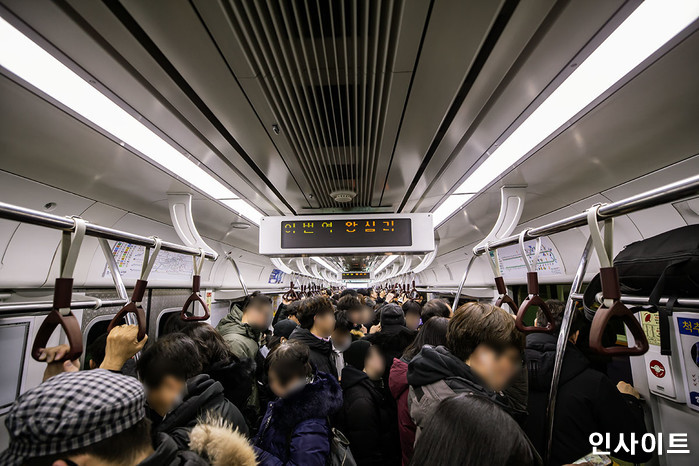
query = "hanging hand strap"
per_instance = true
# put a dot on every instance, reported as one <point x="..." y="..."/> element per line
<point x="139" y="291"/>
<point x="195" y="297"/>
<point x="611" y="294"/>
<point x="503" y="297"/>
<point x="531" y="267"/>
<point x="533" y="299"/>
<point x="493" y="261"/>
<point x="62" y="295"/>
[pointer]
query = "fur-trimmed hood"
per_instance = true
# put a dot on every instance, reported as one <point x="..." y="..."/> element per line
<point x="221" y="444"/>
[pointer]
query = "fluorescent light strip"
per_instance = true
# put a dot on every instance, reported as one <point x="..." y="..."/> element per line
<point x="384" y="264"/>
<point x="26" y="59"/>
<point x="647" y="29"/>
<point x="325" y="264"/>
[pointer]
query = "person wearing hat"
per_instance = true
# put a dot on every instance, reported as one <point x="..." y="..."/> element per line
<point x="368" y="417"/>
<point x="393" y="337"/>
<point x="99" y="417"/>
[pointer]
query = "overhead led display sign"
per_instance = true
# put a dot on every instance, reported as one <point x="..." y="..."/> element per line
<point x="355" y="275"/>
<point x="346" y="234"/>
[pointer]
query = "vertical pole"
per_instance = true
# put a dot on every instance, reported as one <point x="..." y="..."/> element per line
<point x="562" y="342"/>
<point x="229" y="256"/>
<point x="461" y="285"/>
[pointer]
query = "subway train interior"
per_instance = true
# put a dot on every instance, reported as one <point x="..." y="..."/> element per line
<point x="171" y="157"/>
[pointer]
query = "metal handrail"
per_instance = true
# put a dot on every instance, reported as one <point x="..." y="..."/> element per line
<point x="663" y="195"/>
<point x="35" y="217"/>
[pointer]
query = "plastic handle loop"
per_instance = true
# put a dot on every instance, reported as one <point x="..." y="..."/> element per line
<point x="138" y="293"/>
<point x="62" y="294"/>
<point x="414" y="294"/>
<point x="504" y="298"/>
<point x="291" y="294"/>
<point x="611" y="296"/>
<point x="533" y="298"/>
<point x="195" y="297"/>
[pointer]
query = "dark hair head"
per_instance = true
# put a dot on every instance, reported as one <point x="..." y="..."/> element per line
<point x="122" y="448"/>
<point x="350" y="303"/>
<point x="290" y="360"/>
<point x="292" y="309"/>
<point x="434" y="307"/>
<point x="490" y="433"/>
<point x="349" y="291"/>
<point x="342" y="322"/>
<point x="557" y="309"/>
<point x="433" y="333"/>
<point x="256" y="299"/>
<point x="413" y="307"/>
<point x="175" y="354"/>
<point x="476" y="324"/>
<point x="95" y="350"/>
<point x="311" y="307"/>
<point x="211" y="345"/>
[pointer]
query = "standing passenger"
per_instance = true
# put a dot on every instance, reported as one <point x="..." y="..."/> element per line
<point x="587" y="400"/>
<point x="242" y="331"/>
<point x="412" y="311"/>
<point x="393" y="336"/>
<point x="482" y="355"/>
<point x="295" y="429"/>
<point x="433" y="333"/>
<point x="489" y="436"/>
<point x="435" y="307"/>
<point x="317" y="322"/>
<point x="368" y="415"/>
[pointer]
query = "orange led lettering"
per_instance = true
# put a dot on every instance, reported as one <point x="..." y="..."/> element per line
<point x="308" y="226"/>
<point x="351" y="227"/>
<point x="370" y="226"/>
<point x="327" y="225"/>
<point x="289" y="228"/>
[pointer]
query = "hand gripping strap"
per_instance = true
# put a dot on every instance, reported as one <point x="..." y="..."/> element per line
<point x="62" y="293"/>
<point x="533" y="298"/>
<point x="195" y="297"/>
<point x="138" y="292"/>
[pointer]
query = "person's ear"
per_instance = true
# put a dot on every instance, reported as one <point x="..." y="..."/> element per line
<point x="574" y="337"/>
<point x="59" y="463"/>
<point x="536" y="322"/>
<point x="282" y="340"/>
<point x="92" y="364"/>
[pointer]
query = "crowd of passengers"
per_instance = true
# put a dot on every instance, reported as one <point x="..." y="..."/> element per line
<point x="406" y="382"/>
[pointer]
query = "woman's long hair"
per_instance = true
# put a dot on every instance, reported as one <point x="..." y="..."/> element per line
<point x="433" y="333"/>
<point x="471" y="430"/>
<point x="212" y="347"/>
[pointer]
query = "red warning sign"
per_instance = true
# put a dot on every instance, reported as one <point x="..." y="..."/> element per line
<point x="657" y="368"/>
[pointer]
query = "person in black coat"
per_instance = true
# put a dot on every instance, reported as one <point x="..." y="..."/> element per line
<point x="587" y="399"/>
<point x="178" y="394"/>
<point x="393" y="337"/>
<point x="221" y="364"/>
<point x="368" y="417"/>
<point x="317" y="322"/>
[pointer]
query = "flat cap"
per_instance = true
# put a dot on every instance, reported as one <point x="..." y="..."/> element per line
<point x="70" y="411"/>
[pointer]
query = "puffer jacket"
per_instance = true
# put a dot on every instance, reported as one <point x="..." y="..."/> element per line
<point x="295" y="429"/>
<point x="221" y="444"/>
<point x="434" y="374"/>
<point x="322" y="354"/>
<point x="242" y="339"/>
<point x="587" y="402"/>
<point x="237" y="378"/>
<point x="398" y="384"/>
<point x="203" y="397"/>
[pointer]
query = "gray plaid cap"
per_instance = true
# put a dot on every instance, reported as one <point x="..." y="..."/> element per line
<point x="70" y="411"/>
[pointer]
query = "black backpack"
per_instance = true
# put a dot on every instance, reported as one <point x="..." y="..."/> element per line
<point x="665" y="265"/>
<point x="340" y="454"/>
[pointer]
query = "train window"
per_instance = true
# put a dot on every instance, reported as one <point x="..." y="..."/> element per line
<point x="95" y="330"/>
<point x="169" y="321"/>
<point x="13" y="347"/>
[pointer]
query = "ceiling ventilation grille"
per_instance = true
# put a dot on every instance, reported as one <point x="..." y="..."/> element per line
<point x="325" y="69"/>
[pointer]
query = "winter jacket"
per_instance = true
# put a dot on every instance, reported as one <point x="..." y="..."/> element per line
<point x="587" y="402"/>
<point x="236" y="377"/>
<point x="221" y="444"/>
<point x="167" y="453"/>
<point x="434" y="374"/>
<point x="391" y="341"/>
<point x="368" y="420"/>
<point x="322" y="354"/>
<point x="203" y="396"/>
<point x="295" y="430"/>
<point x="242" y="339"/>
<point x="398" y="384"/>
<point x="244" y="342"/>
